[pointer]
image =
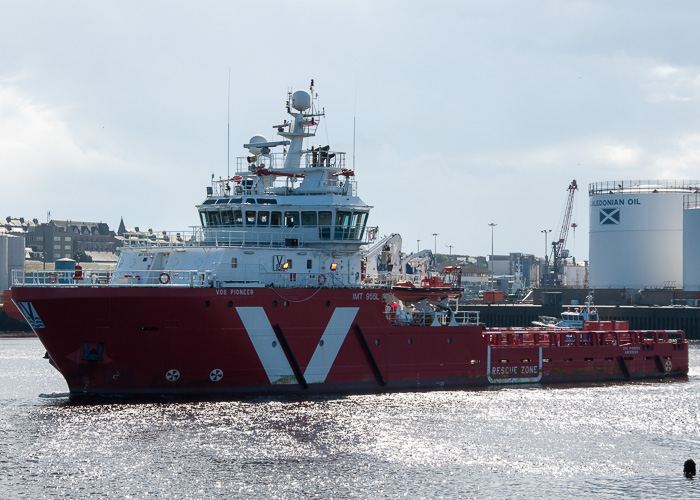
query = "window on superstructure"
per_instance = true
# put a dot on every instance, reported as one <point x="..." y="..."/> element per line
<point x="203" y="217"/>
<point x="361" y="221"/>
<point x="237" y="218"/>
<point x="227" y="218"/>
<point x="325" y="220"/>
<point x="291" y="219"/>
<point x="214" y="219"/>
<point x="250" y="218"/>
<point x="308" y="218"/>
<point x="342" y="225"/>
<point x="263" y="218"/>
<point x="276" y="219"/>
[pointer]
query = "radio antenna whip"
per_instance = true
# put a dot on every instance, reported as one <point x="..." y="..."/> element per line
<point x="228" y="128"/>
<point x="354" y="119"/>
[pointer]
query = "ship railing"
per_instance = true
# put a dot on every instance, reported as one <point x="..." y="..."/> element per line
<point x="119" y="278"/>
<point x="507" y="337"/>
<point x="292" y="279"/>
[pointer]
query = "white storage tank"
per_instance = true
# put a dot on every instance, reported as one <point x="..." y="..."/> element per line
<point x="691" y="242"/>
<point x="15" y="255"/>
<point x="11" y="258"/>
<point x="636" y="233"/>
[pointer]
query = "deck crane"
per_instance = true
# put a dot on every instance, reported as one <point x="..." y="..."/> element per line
<point x="559" y="252"/>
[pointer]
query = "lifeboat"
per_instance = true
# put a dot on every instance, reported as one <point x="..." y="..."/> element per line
<point x="433" y="289"/>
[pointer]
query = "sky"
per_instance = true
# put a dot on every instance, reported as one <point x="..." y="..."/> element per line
<point x="466" y="112"/>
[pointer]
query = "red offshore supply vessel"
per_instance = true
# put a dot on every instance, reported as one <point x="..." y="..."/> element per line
<point x="285" y="289"/>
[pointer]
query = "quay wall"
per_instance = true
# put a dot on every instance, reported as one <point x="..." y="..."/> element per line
<point x="639" y="317"/>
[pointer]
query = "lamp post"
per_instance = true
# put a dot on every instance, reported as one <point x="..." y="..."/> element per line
<point x="417" y="246"/>
<point x="546" y="271"/>
<point x="450" y="247"/>
<point x="492" y="224"/>
<point x="435" y="235"/>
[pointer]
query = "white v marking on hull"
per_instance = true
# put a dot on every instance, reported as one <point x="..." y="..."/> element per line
<point x="265" y="342"/>
<point x="272" y="355"/>
<point x="332" y="339"/>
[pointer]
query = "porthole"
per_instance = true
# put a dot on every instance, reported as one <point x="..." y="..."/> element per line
<point x="320" y="342"/>
<point x="286" y="303"/>
<point x="449" y="340"/>
<point x="376" y="341"/>
<point x="207" y="303"/>
<point x="274" y="343"/>
<point x="410" y="341"/>
<point x="230" y="303"/>
<point x="328" y="303"/>
<point x="274" y="303"/>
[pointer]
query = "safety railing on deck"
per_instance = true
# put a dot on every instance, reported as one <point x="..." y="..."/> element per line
<point x="96" y="278"/>
<point x="556" y="338"/>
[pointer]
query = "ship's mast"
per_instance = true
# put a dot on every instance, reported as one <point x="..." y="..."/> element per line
<point x="304" y="124"/>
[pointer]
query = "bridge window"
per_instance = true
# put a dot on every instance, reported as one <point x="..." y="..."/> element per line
<point x="213" y="219"/>
<point x="342" y="225"/>
<point x="227" y="218"/>
<point x="308" y="218"/>
<point x="263" y="218"/>
<point x="250" y="218"/>
<point x="276" y="219"/>
<point x="359" y="224"/>
<point x="325" y="219"/>
<point x="291" y="219"/>
<point x="237" y="218"/>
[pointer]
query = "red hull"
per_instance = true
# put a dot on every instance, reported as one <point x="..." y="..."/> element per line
<point x="153" y="341"/>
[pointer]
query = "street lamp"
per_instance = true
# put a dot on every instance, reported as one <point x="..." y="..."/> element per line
<point x="492" y="224"/>
<point x="450" y="247"/>
<point x="544" y="276"/>
<point x="418" y="246"/>
<point x="435" y="235"/>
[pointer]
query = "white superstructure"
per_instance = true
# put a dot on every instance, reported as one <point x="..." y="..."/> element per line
<point x="636" y="233"/>
<point x="290" y="218"/>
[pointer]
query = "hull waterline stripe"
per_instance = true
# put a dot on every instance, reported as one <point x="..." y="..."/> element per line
<point x="331" y="341"/>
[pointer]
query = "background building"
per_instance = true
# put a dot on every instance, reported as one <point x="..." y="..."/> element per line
<point x="61" y="239"/>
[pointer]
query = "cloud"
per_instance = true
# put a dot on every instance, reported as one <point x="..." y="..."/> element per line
<point x="672" y="83"/>
<point x="620" y="155"/>
<point x="682" y="162"/>
<point x="36" y="142"/>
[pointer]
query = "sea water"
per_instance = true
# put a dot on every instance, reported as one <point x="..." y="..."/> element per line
<point x="603" y="440"/>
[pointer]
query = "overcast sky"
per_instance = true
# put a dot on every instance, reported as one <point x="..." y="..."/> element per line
<point x="467" y="112"/>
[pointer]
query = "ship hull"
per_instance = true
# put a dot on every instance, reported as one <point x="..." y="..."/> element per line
<point x="229" y="341"/>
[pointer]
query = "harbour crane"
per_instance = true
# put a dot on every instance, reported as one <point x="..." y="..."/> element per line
<point x="559" y="252"/>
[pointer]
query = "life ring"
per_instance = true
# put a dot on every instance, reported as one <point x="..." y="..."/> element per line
<point x="321" y="279"/>
<point x="52" y="278"/>
<point x="164" y="278"/>
<point x="668" y="366"/>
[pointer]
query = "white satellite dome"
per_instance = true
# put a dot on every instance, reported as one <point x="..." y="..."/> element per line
<point x="301" y="100"/>
<point x="256" y="139"/>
